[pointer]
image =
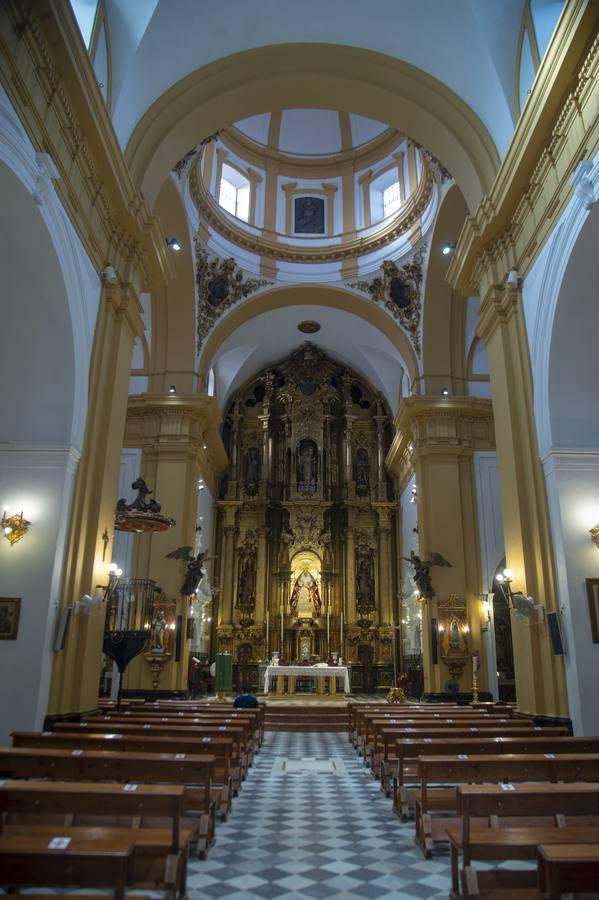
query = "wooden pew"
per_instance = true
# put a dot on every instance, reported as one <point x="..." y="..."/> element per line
<point x="554" y="804"/>
<point x="30" y="808"/>
<point x="198" y="733"/>
<point x="386" y="731"/>
<point x="431" y="829"/>
<point x="249" y="718"/>
<point x="363" y="733"/>
<point x="87" y="862"/>
<point x="195" y="772"/>
<point x="568" y="868"/>
<point x="400" y="772"/>
<point x="247" y="742"/>
<point x="184" y="706"/>
<point x="220" y="748"/>
<point x="360" y="718"/>
<point x="408" y="750"/>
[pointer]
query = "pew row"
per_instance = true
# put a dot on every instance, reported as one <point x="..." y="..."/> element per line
<point x="96" y="812"/>
<point x="545" y="814"/>
<point x="192" y="771"/>
<point x="220" y="748"/>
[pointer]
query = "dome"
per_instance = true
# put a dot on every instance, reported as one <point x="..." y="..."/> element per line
<point x="311" y="132"/>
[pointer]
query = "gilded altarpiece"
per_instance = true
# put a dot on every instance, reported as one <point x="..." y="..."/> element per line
<point x="305" y="532"/>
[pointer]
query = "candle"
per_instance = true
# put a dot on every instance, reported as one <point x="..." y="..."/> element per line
<point x="341" y="636"/>
<point x="329" y="630"/>
<point x="282" y="629"/>
<point x="475" y="664"/>
<point x="267" y="636"/>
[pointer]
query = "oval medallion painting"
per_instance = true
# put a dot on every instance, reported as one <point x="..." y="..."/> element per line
<point x="309" y="327"/>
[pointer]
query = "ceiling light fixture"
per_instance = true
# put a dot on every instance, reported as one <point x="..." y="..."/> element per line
<point x="172" y="389"/>
<point x="174" y="244"/>
<point x="448" y="247"/>
<point x="445" y="392"/>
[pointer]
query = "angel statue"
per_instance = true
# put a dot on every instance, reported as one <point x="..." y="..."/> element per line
<point x="422" y="569"/>
<point x="194" y="568"/>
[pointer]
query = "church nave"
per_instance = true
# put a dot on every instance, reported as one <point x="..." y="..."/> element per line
<point x="301" y="833"/>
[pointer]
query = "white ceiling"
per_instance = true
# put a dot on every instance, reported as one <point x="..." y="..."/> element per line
<point x="271" y="337"/>
<point x="469" y="45"/>
<point x="312" y="132"/>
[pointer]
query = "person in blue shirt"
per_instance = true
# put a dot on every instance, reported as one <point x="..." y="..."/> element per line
<point x="246" y="700"/>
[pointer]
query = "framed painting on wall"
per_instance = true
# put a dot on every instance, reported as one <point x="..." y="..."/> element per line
<point x="593" y="595"/>
<point x="10" y="608"/>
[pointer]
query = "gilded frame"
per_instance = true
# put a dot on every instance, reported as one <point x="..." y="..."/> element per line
<point x="10" y="610"/>
<point x="593" y="595"/>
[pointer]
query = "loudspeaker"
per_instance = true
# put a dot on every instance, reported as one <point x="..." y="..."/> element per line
<point x="555" y="633"/>
<point x="178" y="638"/>
<point x="434" y="641"/>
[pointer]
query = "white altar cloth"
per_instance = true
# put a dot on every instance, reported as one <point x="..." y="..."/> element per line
<point x="307" y="672"/>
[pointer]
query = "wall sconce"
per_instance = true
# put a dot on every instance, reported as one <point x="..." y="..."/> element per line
<point x="594" y="532"/>
<point x="486" y="604"/>
<point x="504" y="580"/>
<point x="14" y="527"/>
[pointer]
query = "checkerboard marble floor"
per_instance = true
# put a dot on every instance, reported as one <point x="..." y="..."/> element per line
<point x="318" y="829"/>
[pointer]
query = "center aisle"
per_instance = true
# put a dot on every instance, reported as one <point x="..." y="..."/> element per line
<point x="310" y="821"/>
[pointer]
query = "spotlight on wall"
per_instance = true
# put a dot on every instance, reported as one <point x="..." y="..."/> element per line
<point x="448" y="247"/>
<point x="174" y="244"/>
<point x="14" y="527"/>
<point x="172" y="389"/>
<point x="445" y="392"/>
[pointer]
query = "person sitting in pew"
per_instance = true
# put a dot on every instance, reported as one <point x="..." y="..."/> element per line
<point x="246" y="700"/>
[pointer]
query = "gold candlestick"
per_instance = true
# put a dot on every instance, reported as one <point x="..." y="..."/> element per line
<point x="474" y="680"/>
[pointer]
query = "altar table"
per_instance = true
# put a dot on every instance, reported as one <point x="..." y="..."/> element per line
<point x="318" y="672"/>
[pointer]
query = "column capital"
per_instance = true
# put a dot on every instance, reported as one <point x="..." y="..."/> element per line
<point x="123" y="303"/>
<point x="448" y="425"/>
<point x="178" y="424"/>
<point x="497" y="308"/>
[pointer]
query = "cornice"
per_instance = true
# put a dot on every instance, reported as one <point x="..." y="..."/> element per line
<point x="48" y="76"/>
<point x="497" y="308"/>
<point x="178" y="423"/>
<point x="425" y="425"/>
<point x="558" y="127"/>
<point x="326" y="166"/>
<point x="349" y="248"/>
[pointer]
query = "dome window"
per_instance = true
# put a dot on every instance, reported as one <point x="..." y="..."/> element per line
<point x="234" y="194"/>
<point x="391" y="199"/>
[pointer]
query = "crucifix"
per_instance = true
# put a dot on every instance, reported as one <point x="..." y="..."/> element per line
<point x="106" y="540"/>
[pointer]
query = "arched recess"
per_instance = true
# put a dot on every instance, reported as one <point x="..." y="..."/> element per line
<point x="444" y="309"/>
<point x="173" y="307"/>
<point x="308" y="295"/>
<point x="570" y="431"/>
<point x="48" y="308"/>
<point x="37" y="421"/>
<point x="348" y="79"/>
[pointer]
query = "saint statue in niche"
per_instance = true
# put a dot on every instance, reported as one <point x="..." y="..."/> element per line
<point x="158" y="635"/>
<point x="309" y="215"/>
<point x="307" y="467"/>
<point x="362" y="471"/>
<point x="252" y="471"/>
<point x="306" y="596"/>
<point x="247" y="584"/>
<point x="365" y="585"/>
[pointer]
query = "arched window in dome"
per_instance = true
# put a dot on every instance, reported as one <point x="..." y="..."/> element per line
<point x="234" y="193"/>
<point x="391" y="199"/>
<point x="387" y="192"/>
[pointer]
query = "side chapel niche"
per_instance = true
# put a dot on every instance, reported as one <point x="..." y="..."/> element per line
<point x="305" y="532"/>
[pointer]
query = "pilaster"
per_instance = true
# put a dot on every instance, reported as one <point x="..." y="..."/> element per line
<point x="76" y="672"/>
<point x="540" y="678"/>
<point x="440" y="436"/>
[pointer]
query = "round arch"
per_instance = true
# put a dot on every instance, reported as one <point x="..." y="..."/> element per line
<point x="329" y="76"/>
<point x="308" y="295"/>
